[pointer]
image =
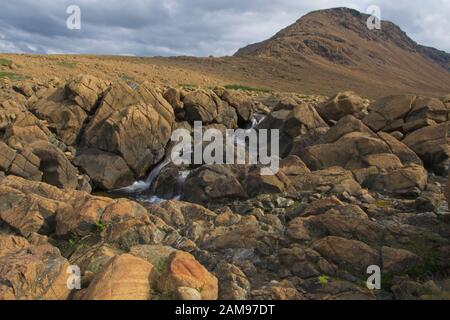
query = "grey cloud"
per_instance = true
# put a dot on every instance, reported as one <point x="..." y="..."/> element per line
<point x="189" y="27"/>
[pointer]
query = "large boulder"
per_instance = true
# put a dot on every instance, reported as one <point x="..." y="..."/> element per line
<point x="352" y="151"/>
<point x="124" y="277"/>
<point x="56" y="168"/>
<point x="134" y="124"/>
<point x="344" y="103"/>
<point x="63" y="116"/>
<point x="405" y="113"/>
<point x="86" y="90"/>
<point x="183" y="270"/>
<point x="107" y="171"/>
<point x="388" y="113"/>
<point x="432" y="144"/>
<point x="29" y="272"/>
<point x="351" y="255"/>
<point x="214" y="182"/>
<point x="201" y="106"/>
<point x="407" y="181"/>
<point x="240" y="102"/>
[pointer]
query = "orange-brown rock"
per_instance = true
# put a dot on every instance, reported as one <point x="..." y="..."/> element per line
<point x="183" y="270"/>
<point x="124" y="277"/>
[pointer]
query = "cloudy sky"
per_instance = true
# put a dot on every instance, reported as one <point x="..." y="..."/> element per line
<point x="189" y="27"/>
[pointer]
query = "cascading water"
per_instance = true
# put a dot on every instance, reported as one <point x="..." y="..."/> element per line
<point x="141" y="189"/>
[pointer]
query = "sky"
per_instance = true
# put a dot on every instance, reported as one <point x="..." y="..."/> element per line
<point x="189" y="27"/>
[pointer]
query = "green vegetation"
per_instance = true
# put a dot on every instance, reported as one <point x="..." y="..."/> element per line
<point x="162" y="265"/>
<point x="323" y="279"/>
<point x="5" y="63"/>
<point x="11" y="76"/>
<point x="127" y="77"/>
<point x="245" y="88"/>
<point x="100" y="226"/>
<point x="187" y="86"/>
<point x="66" y="64"/>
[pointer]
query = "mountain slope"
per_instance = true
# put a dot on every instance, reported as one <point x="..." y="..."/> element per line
<point x="339" y="39"/>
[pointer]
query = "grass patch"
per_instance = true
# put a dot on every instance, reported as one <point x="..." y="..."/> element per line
<point x="11" y="75"/>
<point x="162" y="265"/>
<point x="66" y="64"/>
<point x="187" y="86"/>
<point x="245" y="88"/>
<point x="127" y="77"/>
<point x="6" y="63"/>
<point x="323" y="279"/>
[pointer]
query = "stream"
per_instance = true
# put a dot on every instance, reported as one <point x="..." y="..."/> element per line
<point x="142" y="190"/>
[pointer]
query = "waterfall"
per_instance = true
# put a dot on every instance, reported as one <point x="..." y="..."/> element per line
<point x="138" y="189"/>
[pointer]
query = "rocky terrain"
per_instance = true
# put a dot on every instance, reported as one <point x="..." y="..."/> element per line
<point x="361" y="183"/>
<point x="86" y="180"/>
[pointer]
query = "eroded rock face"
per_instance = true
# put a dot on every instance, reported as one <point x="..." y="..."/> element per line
<point x="432" y="144"/>
<point x="135" y="124"/>
<point x="339" y="106"/>
<point x="125" y="277"/>
<point x="201" y="106"/>
<point x="183" y="270"/>
<point x="107" y="171"/>
<point x="29" y="272"/>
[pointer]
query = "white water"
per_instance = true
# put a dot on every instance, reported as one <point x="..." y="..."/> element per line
<point x="144" y="185"/>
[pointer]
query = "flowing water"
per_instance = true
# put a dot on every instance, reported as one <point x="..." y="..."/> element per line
<point x="141" y="190"/>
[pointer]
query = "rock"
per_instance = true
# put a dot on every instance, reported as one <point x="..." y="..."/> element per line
<point x="305" y="263"/>
<point x="106" y="170"/>
<point x="157" y="255"/>
<point x="349" y="152"/>
<point x="56" y="169"/>
<point x="233" y="284"/>
<point x="424" y="111"/>
<point x="259" y="184"/>
<point x="348" y="222"/>
<point x="240" y="102"/>
<point x="64" y="116"/>
<point x="123" y="278"/>
<point x="351" y="255"/>
<point x="401" y="150"/>
<point x="388" y="113"/>
<point x="173" y="96"/>
<point x="213" y="182"/>
<point x="432" y="144"/>
<point x="292" y="166"/>
<point x="7" y="156"/>
<point x="346" y="125"/>
<point x="134" y="124"/>
<point x="335" y="179"/>
<point x="293" y="119"/>
<point x="26" y="165"/>
<point x="447" y="191"/>
<point x="344" y="103"/>
<point x="184" y="271"/>
<point x="33" y="273"/>
<point x="408" y="181"/>
<point x="86" y="90"/>
<point x="186" y="294"/>
<point x="10" y="244"/>
<point x="35" y="207"/>
<point x="398" y="260"/>
<point x="201" y="106"/>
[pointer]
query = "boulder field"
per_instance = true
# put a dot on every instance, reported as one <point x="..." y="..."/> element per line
<point x="361" y="183"/>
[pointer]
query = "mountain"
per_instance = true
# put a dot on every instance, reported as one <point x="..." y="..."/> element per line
<point x="339" y="40"/>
